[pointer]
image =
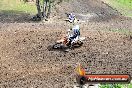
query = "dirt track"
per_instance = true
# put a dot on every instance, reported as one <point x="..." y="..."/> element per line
<point x="25" y="60"/>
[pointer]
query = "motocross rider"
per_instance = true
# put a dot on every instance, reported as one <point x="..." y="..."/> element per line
<point x="71" y="17"/>
<point x="73" y="34"/>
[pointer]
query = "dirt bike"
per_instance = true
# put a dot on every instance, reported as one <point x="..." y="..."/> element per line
<point x="64" y="43"/>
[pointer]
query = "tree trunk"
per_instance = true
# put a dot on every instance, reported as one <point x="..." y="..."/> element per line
<point x="49" y="10"/>
<point x="38" y="8"/>
<point x="46" y="8"/>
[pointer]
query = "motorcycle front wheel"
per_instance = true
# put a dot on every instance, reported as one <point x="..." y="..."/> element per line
<point x="79" y="43"/>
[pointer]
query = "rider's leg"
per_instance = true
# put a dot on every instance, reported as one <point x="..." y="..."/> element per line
<point x="72" y="40"/>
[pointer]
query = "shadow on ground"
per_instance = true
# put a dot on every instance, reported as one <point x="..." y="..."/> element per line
<point x="12" y="16"/>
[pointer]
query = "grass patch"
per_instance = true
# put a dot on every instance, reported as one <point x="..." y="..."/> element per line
<point x="126" y="32"/>
<point x="17" y="5"/>
<point x="122" y="31"/>
<point x="123" y="6"/>
<point x="116" y="86"/>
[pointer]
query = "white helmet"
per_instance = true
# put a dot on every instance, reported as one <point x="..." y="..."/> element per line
<point x="76" y="27"/>
<point x="71" y="14"/>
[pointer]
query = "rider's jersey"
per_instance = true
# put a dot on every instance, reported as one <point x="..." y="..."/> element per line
<point x="71" y="16"/>
<point x="76" y="30"/>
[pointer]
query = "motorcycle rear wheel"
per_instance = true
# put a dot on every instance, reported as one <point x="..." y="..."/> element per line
<point x="57" y="46"/>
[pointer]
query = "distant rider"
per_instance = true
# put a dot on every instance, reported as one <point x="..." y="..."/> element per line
<point x="71" y="17"/>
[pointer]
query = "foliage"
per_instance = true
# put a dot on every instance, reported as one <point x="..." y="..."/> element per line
<point x="123" y="6"/>
<point x="116" y="86"/>
<point x="17" y="6"/>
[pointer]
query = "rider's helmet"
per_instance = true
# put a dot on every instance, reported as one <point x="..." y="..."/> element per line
<point x="71" y="14"/>
<point x="77" y="26"/>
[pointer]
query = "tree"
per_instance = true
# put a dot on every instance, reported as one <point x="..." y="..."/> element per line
<point x="44" y="8"/>
<point x="38" y="7"/>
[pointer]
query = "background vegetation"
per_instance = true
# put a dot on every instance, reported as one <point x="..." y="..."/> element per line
<point x="17" y="5"/>
<point x="123" y="6"/>
<point x="116" y="86"/>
